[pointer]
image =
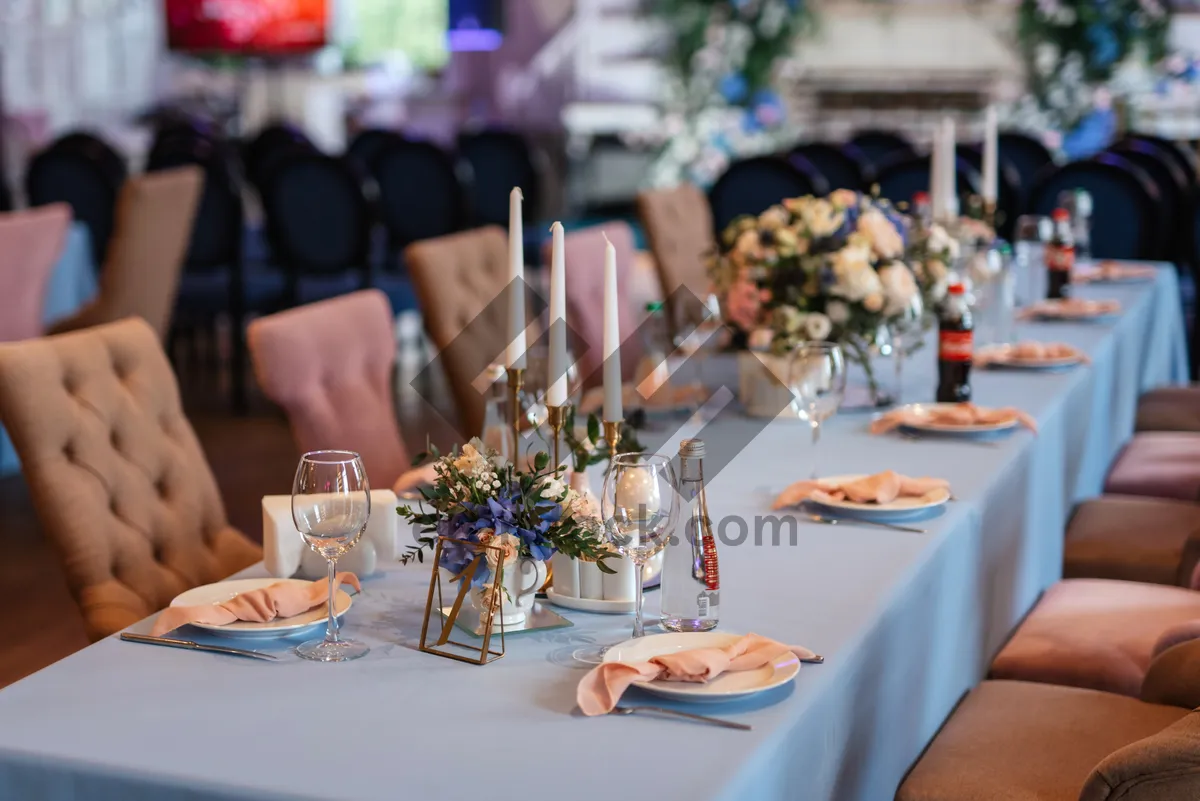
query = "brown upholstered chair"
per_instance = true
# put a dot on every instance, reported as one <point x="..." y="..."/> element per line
<point x="116" y="473"/>
<point x="679" y="229"/>
<point x="1151" y="540"/>
<point x="1170" y="409"/>
<point x="462" y="282"/>
<point x="153" y="225"/>
<point x="1158" y="464"/>
<point x="1015" y="741"/>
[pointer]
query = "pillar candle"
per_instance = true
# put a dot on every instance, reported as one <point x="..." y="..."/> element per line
<point x="990" y="156"/>
<point x="613" y="410"/>
<point x="556" y="378"/>
<point x="515" y="354"/>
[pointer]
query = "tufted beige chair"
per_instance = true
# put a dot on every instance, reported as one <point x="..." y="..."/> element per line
<point x="118" y="478"/>
<point x="679" y="228"/>
<point x="152" y="228"/>
<point x="461" y="282"/>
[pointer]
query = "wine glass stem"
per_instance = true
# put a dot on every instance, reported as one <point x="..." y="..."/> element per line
<point x="638" y="629"/>
<point x="816" y="439"/>
<point x="331" y="627"/>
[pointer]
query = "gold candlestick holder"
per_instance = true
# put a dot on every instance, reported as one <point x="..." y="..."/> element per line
<point x="612" y="435"/>
<point x="557" y="416"/>
<point x="516" y="380"/>
<point x="989" y="213"/>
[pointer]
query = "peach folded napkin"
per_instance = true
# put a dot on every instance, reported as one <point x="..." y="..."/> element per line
<point x="1111" y="271"/>
<point x="282" y="599"/>
<point x="959" y="414"/>
<point x="1071" y="309"/>
<point x="604" y="685"/>
<point x="1029" y="352"/>
<point x="882" y="487"/>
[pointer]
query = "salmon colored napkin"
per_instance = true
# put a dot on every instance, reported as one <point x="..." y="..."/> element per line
<point x="882" y="487"/>
<point x="960" y="414"/>
<point x="1071" y="309"/>
<point x="1029" y="352"/>
<point x="282" y="599"/>
<point x="604" y="685"/>
<point x="1111" y="271"/>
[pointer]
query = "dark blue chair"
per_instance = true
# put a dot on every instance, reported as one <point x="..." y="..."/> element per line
<point x="904" y="177"/>
<point x="1125" y="204"/>
<point x="842" y="166"/>
<point x="368" y="144"/>
<point x="881" y="146"/>
<point x="272" y="145"/>
<point x="1008" y="202"/>
<point x="498" y="161"/>
<point x="751" y="186"/>
<point x="1183" y="157"/>
<point x="1028" y="157"/>
<point x="420" y="196"/>
<point x="1173" y="188"/>
<point x="83" y="171"/>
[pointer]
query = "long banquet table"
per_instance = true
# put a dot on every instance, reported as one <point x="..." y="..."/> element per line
<point x="907" y="623"/>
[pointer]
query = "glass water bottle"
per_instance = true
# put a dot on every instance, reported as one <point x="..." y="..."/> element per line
<point x="691" y="587"/>
<point x="497" y="428"/>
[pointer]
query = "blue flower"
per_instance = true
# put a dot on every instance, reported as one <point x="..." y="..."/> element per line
<point x="733" y="87"/>
<point x="1105" y="47"/>
<point x="1094" y="133"/>
<point x="750" y="123"/>
<point x="794" y="5"/>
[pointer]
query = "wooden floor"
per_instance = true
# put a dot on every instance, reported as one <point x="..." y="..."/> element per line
<point x="252" y="455"/>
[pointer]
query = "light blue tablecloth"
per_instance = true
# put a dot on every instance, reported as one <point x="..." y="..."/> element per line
<point x="907" y="623"/>
<point x="72" y="284"/>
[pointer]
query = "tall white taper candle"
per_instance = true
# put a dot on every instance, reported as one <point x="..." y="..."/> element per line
<point x="556" y="377"/>
<point x="515" y="353"/>
<point x="613" y="410"/>
<point x="950" y="172"/>
<point x="991" y="156"/>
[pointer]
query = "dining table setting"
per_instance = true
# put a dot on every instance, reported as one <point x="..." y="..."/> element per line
<point x="871" y="562"/>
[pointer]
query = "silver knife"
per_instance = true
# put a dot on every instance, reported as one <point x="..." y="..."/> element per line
<point x="194" y="646"/>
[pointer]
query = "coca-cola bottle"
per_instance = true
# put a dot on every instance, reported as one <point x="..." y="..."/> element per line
<point x="923" y="210"/>
<point x="956" y="344"/>
<point x="1060" y="256"/>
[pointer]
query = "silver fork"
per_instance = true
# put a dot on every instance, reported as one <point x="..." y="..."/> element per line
<point x="835" y="521"/>
<point x="658" y="710"/>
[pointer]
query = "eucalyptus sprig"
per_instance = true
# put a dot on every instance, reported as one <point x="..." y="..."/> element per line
<point x="594" y="449"/>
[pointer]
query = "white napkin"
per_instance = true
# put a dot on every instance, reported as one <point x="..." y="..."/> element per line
<point x="285" y="554"/>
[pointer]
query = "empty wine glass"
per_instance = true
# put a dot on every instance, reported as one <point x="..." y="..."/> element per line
<point x="331" y="502"/>
<point x="817" y="379"/>
<point x="905" y="328"/>
<point x="639" y="505"/>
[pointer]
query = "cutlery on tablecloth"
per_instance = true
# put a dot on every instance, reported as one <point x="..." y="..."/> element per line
<point x="194" y="646"/>
<point x="815" y="659"/>
<point x="834" y="521"/>
<point x="658" y="710"/>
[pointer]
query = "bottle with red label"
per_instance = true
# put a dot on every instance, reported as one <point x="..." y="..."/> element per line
<point x="922" y="210"/>
<point x="956" y="346"/>
<point x="1060" y="256"/>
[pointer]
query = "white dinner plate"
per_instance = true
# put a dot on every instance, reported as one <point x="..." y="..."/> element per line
<point x="920" y="410"/>
<point x="1035" y="364"/>
<point x="901" y="508"/>
<point x="726" y="687"/>
<point x="1050" y="312"/>
<point x="280" y="627"/>
<point x="595" y="605"/>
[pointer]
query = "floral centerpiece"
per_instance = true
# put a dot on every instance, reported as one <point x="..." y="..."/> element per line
<point x="817" y="268"/>
<point x="479" y="499"/>
<point x="932" y="252"/>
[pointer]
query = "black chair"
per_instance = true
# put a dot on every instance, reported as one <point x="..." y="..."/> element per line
<point x="6" y="200"/>
<point x="498" y="161"/>
<point x="1028" y="157"/>
<point x="1008" y="186"/>
<point x="1174" y="190"/>
<point x="751" y="186"/>
<point x="420" y="196"/>
<point x="273" y="144"/>
<point x="1125" y="204"/>
<point x="881" y="146"/>
<point x="842" y="166"/>
<point x="900" y="179"/>
<point x="1183" y="157"/>
<point x="368" y="144"/>
<point x="318" y="223"/>
<point x="83" y="171"/>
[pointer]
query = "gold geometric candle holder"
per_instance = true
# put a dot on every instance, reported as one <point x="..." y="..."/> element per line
<point x="480" y="652"/>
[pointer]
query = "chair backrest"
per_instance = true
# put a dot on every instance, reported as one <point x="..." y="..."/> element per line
<point x="117" y="476"/>
<point x="1174" y="190"/>
<point x="216" y="239"/>
<point x="584" y="252"/>
<point x="318" y="217"/>
<point x="753" y="185"/>
<point x="881" y="146"/>
<point x="1008" y="182"/>
<point x="899" y="180"/>
<point x="1027" y="155"/>
<point x="420" y="196"/>
<point x="1125" y="207"/>
<point x="679" y="229"/>
<point x="1184" y="157"/>
<point x="366" y="146"/>
<point x="30" y="244"/>
<point x="1161" y="767"/>
<point x="461" y="281"/>
<point x="270" y="145"/>
<point x="83" y="172"/>
<point x="499" y="160"/>
<point x="329" y="365"/>
<point x="842" y="166"/>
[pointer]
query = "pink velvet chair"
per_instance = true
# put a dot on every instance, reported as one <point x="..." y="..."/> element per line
<point x="1132" y="538"/>
<point x="1159" y="464"/>
<point x="329" y="365"/>
<point x="30" y="244"/>
<point x="1170" y="409"/>
<point x="584" y="251"/>
<point x="1098" y="634"/>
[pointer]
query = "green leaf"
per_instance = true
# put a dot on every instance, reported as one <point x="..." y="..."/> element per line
<point x="593" y="428"/>
<point x="604" y="568"/>
<point x="540" y="461"/>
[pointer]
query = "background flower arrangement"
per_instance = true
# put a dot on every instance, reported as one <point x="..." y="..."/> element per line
<point x="480" y="499"/>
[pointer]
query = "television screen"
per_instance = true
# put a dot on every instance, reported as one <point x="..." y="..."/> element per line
<point x="247" y="26"/>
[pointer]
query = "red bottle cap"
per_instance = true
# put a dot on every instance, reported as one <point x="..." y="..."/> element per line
<point x="920" y="198"/>
<point x="956" y="289"/>
<point x="1060" y="215"/>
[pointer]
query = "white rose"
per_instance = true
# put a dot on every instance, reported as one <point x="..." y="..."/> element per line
<point x="818" y="326"/>
<point x="899" y="287"/>
<point x="854" y="278"/>
<point x="873" y="302"/>
<point x="837" y="312"/>
<point x="553" y="488"/>
<point x="878" y="229"/>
